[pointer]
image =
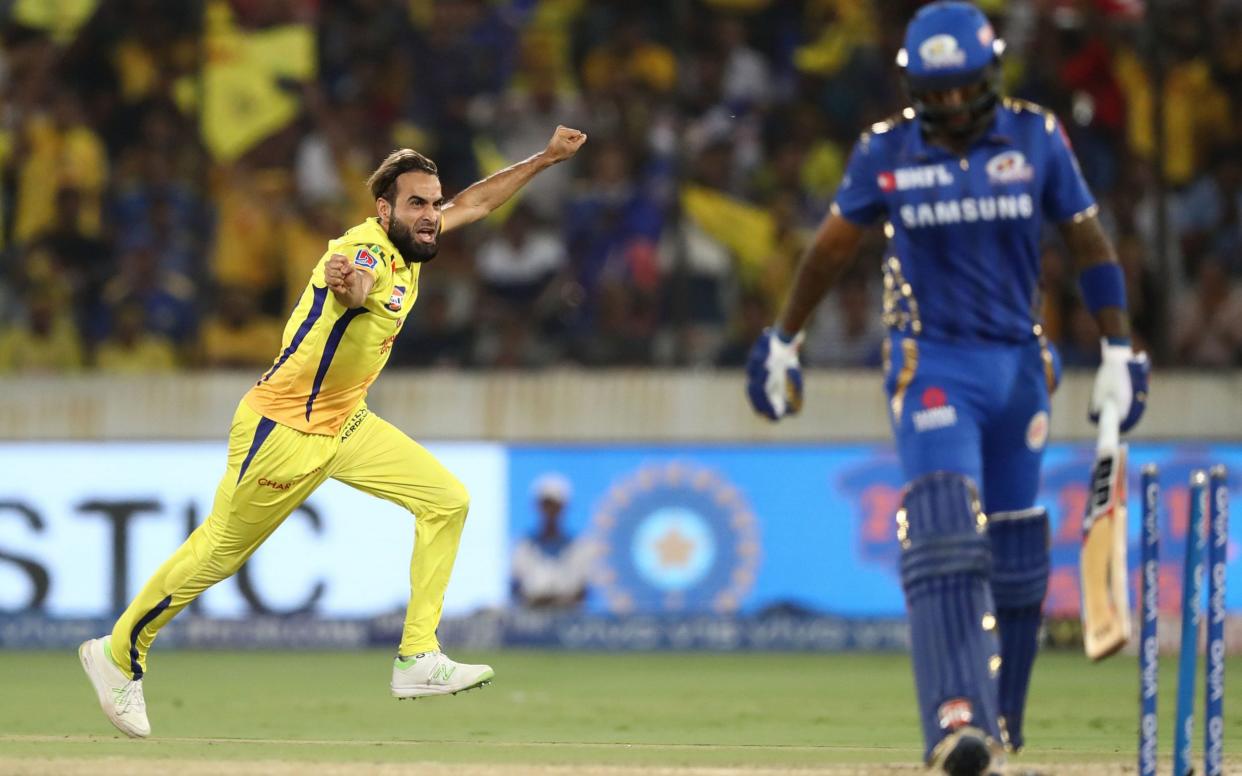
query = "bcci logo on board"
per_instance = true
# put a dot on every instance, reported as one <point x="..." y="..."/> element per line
<point x="675" y="537"/>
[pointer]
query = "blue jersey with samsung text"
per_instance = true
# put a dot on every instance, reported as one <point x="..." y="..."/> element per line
<point x="964" y="234"/>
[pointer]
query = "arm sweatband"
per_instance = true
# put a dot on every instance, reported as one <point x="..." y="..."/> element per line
<point x="1102" y="286"/>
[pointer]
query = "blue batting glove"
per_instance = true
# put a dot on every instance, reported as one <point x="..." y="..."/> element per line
<point x="1122" y="379"/>
<point x="774" y="376"/>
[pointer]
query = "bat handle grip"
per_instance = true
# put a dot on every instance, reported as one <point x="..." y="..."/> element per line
<point x="1109" y="426"/>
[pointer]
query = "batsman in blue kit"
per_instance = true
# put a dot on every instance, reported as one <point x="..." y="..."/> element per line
<point x="963" y="181"/>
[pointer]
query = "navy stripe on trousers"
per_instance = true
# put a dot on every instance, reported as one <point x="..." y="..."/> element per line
<point x="146" y="620"/>
<point x="312" y="315"/>
<point x="260" y="436"/>
<point x="329" y="350"/>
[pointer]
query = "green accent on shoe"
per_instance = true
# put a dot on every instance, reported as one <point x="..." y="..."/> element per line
<point x="403" y="662"/>
<point x="107" y="649"/>
<point x="443" y="673"/>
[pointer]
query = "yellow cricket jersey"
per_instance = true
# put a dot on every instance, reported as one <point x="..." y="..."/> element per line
<point x="330" y="355"/>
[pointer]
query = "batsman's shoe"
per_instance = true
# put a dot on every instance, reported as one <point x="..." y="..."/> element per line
<point x="964" y="752"/>
<point x="119" y="696"/>
<point x="435" y="673"/>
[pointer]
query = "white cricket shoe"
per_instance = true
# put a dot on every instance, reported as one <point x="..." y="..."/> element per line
<point x="119" y="696"/>
<point x="435" y="673"/>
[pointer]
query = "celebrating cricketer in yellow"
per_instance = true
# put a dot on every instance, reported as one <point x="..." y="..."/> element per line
<point x="306" y="420"/>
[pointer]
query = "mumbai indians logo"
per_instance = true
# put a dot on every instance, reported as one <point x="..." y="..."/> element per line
<point x="676" y="537"/>
<point x="1009" y="167"/>
<point x="942" y="51"/>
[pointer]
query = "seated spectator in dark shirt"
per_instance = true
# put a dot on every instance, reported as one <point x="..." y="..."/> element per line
<point x="430" y="337"/>
<point x="167" y="297"/>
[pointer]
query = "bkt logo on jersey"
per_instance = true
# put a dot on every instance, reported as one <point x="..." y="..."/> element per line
<point x="364" y="258"/>
<point x="394" y="301"/>
<point x="906" y="178"/>
<point x="1009" y="167"/>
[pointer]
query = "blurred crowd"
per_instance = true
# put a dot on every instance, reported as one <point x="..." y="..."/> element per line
<point x="172" y="171"/>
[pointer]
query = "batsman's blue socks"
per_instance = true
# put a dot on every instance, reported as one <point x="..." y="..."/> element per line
<point x="1020" y="567"/>
<point x="945" y="565"/>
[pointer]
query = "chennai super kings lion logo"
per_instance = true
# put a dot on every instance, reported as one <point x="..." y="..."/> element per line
<point x="675" y="537"/>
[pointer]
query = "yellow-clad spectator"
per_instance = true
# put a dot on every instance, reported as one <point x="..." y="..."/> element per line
<point x="629" y="57"/>
<point x="335" y="158"/>
<point x="837" y="28"/>
<point x="304" y="236"/>
<point x="46" y="342"/>
<point x="149" y="53"/>
<point x="132" y="349"/>
<point x="238" y="336"/>
<point x="137" y="68"/>
<point x="823" y="168"/>
<point x="61" y="19"/>
<point x="1196" y="111"/>
<point x="789" y="241"/>
<point x="59" y="150"/>
<point x="545" y="47"/>
<point x="246" y="250"/>
<point x="6" y="158"/>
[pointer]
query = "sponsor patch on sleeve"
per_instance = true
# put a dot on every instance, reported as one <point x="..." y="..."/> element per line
<point x="395" y="301"/>
<point x="365" y="258"/>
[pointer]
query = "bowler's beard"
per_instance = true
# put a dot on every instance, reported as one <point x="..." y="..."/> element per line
<point x="403" y="239"/>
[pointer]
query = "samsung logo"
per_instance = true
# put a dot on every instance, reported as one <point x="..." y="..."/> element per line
<point x="968" y="210"/>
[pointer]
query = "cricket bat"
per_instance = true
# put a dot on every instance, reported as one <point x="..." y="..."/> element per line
<point x="1102" y="566"/>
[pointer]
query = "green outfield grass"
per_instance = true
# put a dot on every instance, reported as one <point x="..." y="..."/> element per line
<point x="283" y="712"/>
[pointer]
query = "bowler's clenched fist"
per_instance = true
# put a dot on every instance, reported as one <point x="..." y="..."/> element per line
<point x="565" y="143"/>
<point x="337" y="273"/>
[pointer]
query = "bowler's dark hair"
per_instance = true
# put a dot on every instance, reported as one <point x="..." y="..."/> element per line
<point x="383" y="182"/>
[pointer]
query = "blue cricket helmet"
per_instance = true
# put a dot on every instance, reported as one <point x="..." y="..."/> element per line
<point x="950" y="44"/>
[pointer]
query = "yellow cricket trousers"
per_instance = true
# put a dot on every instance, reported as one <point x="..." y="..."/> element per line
<point x="271" y="470"/>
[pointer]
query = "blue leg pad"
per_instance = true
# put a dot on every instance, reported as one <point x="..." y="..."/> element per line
<point x="945" y="567"/>
<point x="1020" y="567"/>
